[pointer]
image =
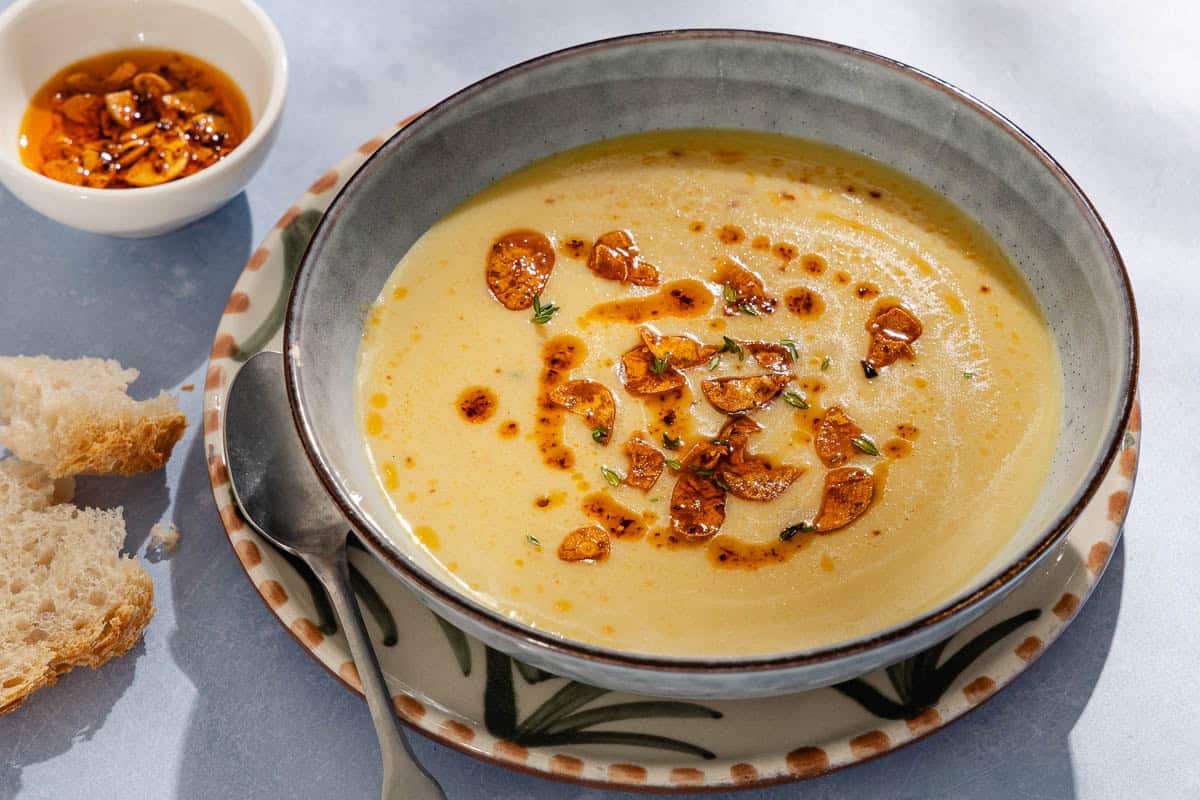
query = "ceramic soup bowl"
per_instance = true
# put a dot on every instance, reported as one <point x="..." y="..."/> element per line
<point x="716" y="79"/>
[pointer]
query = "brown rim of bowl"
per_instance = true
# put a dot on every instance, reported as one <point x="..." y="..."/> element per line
<point x="399" y="563"/>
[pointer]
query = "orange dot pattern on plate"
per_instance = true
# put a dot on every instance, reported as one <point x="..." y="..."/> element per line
<point x="371" y="145"/>
<point x="1098" y="557"/>
<point x="349" y="673"/>
<point x="214" y="379"/>
<point x="1118" y="502"/>
<point x="456" y="731"/>
<point x="307" y="632"/>
<point x="510" y="751"/>
<point x="212" y="421"/>
<point x="288" y="217"/>
<point x="978" y="690"/>
<point x="247" y="551"/>
<point x="743" y="773"/>
<point x="408" y="706"/>
<point x="1135" y="417"/>
<point x="324" y="183"/>
<point x="218" y="474"/>
<point x="1128" y="462"/>
<point x="686" y="776"/>
<point x="807" y="762"/>
<point x="1027" y="650"/>
<point x="224" y="346"/>
<point x="237" y="303"/>
<point x="626" y="773"/>
<point x="871" y="743"/>
<point x="273" y="592"/>
<point x="257" y="259"/>
<point x="1066" y="606"/>
<point x="566" y="765"/>
<point x="926" y="721"/>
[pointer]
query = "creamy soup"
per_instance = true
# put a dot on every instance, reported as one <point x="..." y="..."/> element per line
<point x="706" y="393"/>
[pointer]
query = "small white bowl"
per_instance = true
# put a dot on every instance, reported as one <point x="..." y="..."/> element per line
<point x="40" y="37"/>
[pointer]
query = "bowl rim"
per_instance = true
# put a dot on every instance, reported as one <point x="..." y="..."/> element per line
<point x="260" y="131"/>
<point x="545" y="640"/>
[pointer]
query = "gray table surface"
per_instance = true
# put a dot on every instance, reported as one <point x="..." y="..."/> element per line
<point x="213" y="703"/>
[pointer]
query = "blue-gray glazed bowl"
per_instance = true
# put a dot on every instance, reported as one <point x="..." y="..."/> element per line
<point x="717" y="79"/>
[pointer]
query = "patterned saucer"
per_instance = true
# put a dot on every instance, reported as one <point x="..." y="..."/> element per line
<point x="479" y="701"/>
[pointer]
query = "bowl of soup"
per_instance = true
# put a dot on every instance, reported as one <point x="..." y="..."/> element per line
<point x="711" y="363"/>
<point x="136" y="117"/>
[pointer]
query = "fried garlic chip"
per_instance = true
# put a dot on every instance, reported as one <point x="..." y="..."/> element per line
<point x="736" y="435"/>
<point x="643" y="374"/>
<point x="679" y="351"/>
<point x="743" y="289"/>
<point x="893" y="329"/>
<point x="645" y="464"/>
<point x="589" y="543"/>
<point x="591" y="400"/>
<point x="615" y="256"/>
<point x="518" y="267"/>
<point x="756" y="479"/>
<point x="738" y="395"/>
<point x="834" y="439"/>
<point x="769" y="355"/>
<point x="846" y="496"/>
<point x="697" y="506"/>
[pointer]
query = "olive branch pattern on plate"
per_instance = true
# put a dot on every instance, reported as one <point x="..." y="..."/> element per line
<point x="482" y="702"/>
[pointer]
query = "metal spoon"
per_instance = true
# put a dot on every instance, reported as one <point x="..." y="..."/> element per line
<point x="279" y="494"/>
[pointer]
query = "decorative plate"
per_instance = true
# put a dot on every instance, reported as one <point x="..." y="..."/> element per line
<point x="488" y="705"/>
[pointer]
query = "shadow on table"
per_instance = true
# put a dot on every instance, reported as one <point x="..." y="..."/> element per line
<point x="266" y="722"/>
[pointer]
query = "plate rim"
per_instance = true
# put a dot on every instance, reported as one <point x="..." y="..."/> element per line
<point x="216" y="387"/>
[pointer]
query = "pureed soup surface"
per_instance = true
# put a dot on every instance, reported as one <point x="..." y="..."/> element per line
<point x="905" y="383"/>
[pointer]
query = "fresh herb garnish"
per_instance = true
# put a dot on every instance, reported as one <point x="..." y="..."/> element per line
<point x="613" y="478"/>
<point x="825" y="362"/>
<point x="792" y="349"/>
<point x="746" y="308"/>
<point x="660" y="365"/>
<point x="720" y="483"/>
<point x="801" y="527"/>
<point x="713" y="363"/>
<point x="868" y="370"/>
<point x="729" y="294"/>
<point x="533" y="540"/>
<point x="721" y="442"/>
<point x="542" y="313"/>
<point x="968" y="374"/>
<point x="671" y="443"/>
<point x="793" y="399"/>
<point x="673" y="464"/>
<point x="600" y="434"/>
<point x="706" y="473"/>
<point x="865" y="445"/>
<point x="730" y="346"/>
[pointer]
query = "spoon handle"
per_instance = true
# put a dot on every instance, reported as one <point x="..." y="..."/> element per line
<point x="403" y="777"/>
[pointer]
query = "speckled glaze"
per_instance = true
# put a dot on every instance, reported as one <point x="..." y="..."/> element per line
<point x="721" y="79"/>
<point x="479" y="701"/>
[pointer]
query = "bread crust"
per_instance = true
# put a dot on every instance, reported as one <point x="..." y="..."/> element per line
<point x="141" y="444"/>
<point x="111" y="637"/>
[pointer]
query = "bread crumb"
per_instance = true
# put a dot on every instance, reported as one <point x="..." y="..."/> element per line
<point x="164" y="537"/>
<point x="187" y="387"/>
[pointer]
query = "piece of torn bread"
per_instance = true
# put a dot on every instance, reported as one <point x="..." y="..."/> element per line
<point x="67" y="596"/>
<point x="74" y="417"/>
